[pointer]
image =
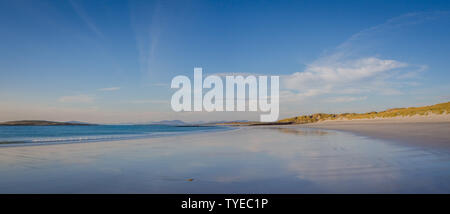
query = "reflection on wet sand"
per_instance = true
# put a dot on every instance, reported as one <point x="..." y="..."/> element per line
<point x="300" y="132"/>
<point x="246" y="160"/>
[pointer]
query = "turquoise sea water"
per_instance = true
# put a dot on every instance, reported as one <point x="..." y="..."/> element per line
<point x="72" y="134"/>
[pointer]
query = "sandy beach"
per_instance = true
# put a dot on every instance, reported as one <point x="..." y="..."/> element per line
<point x="271" y="159"/>
<point x="425" y="131"/>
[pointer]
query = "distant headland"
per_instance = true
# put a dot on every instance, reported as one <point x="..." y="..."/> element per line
<point x="43" y="123"/>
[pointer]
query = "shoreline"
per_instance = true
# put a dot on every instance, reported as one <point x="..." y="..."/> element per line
<point x="428" y="132"/>
<point x="108" y="139"/>
<point x="423" y="131"/>
<point x="234" y="161"/>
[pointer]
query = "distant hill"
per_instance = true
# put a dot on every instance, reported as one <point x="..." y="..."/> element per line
<point x="227" y="121"/>
<point x="442" y="108"/>
<point x="168" y="122"/>
<point x="42" y="123"/>
<point x="78" y="122"/>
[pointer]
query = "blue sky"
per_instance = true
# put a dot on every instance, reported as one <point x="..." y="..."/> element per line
<point x="112" y="61"/>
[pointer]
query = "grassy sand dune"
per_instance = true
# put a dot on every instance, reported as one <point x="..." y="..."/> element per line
<point x="438" y="109"/>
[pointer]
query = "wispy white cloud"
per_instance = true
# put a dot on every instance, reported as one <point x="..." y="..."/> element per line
<point x="82" y="98"/>
<point x="344" y="99"/>
<point x="84" y="16"/>
<point x="392" y="24"/>
<point x="353" y="76"/>
<point x="109" y="89"/>
<point x="147" y="33"/>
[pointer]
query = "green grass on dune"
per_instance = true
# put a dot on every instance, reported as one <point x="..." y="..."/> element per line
<point x="395" y="112"/>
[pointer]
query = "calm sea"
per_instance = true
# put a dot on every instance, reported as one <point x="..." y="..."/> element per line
<point x="15" y="135"/>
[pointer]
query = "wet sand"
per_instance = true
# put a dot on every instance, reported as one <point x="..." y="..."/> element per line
<point x="247" y="160"/>
<point x="425" y="132"/>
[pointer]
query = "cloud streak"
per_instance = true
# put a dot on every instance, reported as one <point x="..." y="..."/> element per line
<point x="82" y="98"/>
<point x="147" y="33"/>
<point x="83" y="15"/>
<point x="344" y="99"/>
<point x="109" y="89"/>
